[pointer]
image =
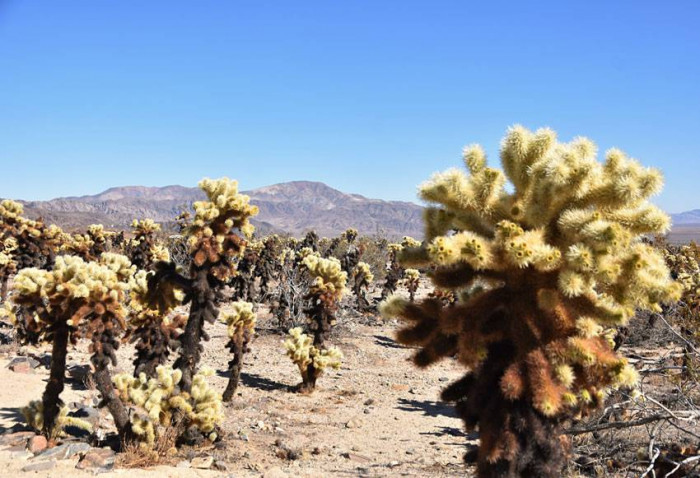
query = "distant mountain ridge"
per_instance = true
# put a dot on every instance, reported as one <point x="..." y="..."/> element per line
<point x="294" y="207"/>
<point x="686" y="218"/>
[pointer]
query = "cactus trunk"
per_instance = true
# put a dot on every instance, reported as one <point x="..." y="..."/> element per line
<point x="51" y="398"/>
<point x="235" y="371"/>
<point x="103" y="382"/>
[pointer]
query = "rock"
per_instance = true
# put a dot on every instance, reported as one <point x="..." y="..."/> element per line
<point x="202" y="462"/>
<point x="274" y="472"/>
<point x="40" y="466"/>
<point x="357" y="458"/>
<point x="443" y="379"/>
<point x="21" y="367"/>
<point x="393" y="464"/>
<point x="354" y="423"/>
<point x="65" y="451"/>
<point x="98" y="459"/>
<point x="413" y="391"/>
<point x="79" y="373"/>
<point x="16" y="438"/>
<point x="183" y="464"/>
<point x="37" y="444"/>
<point x="29" y="361"/>
<point x="369" y="402"/>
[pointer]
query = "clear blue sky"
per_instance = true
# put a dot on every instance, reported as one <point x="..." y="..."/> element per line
<point x="368" y="96"/>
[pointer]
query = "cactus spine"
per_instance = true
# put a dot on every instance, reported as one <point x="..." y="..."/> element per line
<point x="539" y="272"/>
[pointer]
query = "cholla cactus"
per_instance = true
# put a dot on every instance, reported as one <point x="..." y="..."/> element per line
<point x="362" y="279"/>
<point x="411" y="280"/>
<point x="144" y="250"/>
<point x="394" y="270"/>
<point x="24" y="243"/>
<point x="34" y="416"/>
<point x="240" y="322"/>
<point x="311" y="360"/>
<point x="325" y="292"/>
<point x="311" y="241"/>
<point x="160" y="402"/>
<point x="540" y="271"/>
<point x="215" y="247"/>
<point x="77" y="299"/>
<point x="152" y="325"/>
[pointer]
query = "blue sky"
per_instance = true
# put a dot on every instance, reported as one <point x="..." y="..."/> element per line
<point x="370" y="97"/>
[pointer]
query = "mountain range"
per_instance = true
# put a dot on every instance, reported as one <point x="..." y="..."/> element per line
<point x="292" y="207"/>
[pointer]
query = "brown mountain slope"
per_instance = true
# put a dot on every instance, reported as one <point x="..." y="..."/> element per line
<point x="293" y="207"/>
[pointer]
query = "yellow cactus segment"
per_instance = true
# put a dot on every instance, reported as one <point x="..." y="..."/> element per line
<point x="158" y="399"/>
<point x="239" y="319"/>
<point x="73" y="278"/>
<point x="363" y="272"/>
<point x="328" y="276"/>
<point x="300" y="349"/>
<point x="34" y="416"/>
<point x="145" y="226"/>
<point x="224" y="200"/>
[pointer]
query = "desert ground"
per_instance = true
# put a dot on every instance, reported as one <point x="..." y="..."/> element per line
<point x="377" y="416"/>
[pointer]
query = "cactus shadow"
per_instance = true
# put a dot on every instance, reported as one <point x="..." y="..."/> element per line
<point x="428" y="407"/>
<point x="11" y="415"/>
<point x="261" y="383"/>
<point x="384" y="341"/>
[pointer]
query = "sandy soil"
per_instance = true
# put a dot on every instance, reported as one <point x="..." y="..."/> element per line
<point x="377" y="416"/>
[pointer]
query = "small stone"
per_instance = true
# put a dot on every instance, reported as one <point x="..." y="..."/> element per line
<point x="369" y="402"/>
<point x="354" y="423"/>
<point x="65" y="451"/>
<point x="366" y="411"/>
<point x="260" y="425"/>
<point x="40" y="466"/>
<point x="16" y="438"/>
<point x="274" y="472"/>
<point x="101" y="459"/>
<point x="443" y="379"/>
<point x="21" y="367"/>
<point x="37" y="444"/>
<point x="399" y="387"/>
<point x="410" y="451"/>
<point x="393" y="464"/>
<point x="183" y="464"/>
<point x="202" y="462"/>
<point x="357" y="458"/>
<point x="412" y="391"/>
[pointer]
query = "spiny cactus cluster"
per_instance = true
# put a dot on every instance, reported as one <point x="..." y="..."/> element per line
<point x="159" y="402"/>
<point x="311" y="360"/>
<point x="325" y="292"/>
<point x="153" y="326"/>
<point x="541" y="270"/>
<point x="34" y="416"/>
<point x="76" y="299"/>
<point x="411" y="279"/>
<point x="240" y="326"/>
<point x="144" y="250"/>
<point x="24" y="242"/>
<point x="215" y="248"/>
<point x="362" y="279"/>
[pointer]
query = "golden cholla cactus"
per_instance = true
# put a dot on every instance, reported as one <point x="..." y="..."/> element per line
<point x="215" y="248"/>
<point x="329" y="279"/>
<point x="158" y="402"/>
<point x="144" y="250"/>
<point x="240" y="323"/>
<point x="152" y="326"/>
<point x="541" y="267"/>
<point x="411" y="279"/>
<point x="311" y="360"/>
<point x="34" y="416"/>
<point x="24" y="243"/>
<point x="362" y="279"/>
<point x="324" y="294"/>
<point x="77" y="299"/>
<point x="408" y="241"/>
